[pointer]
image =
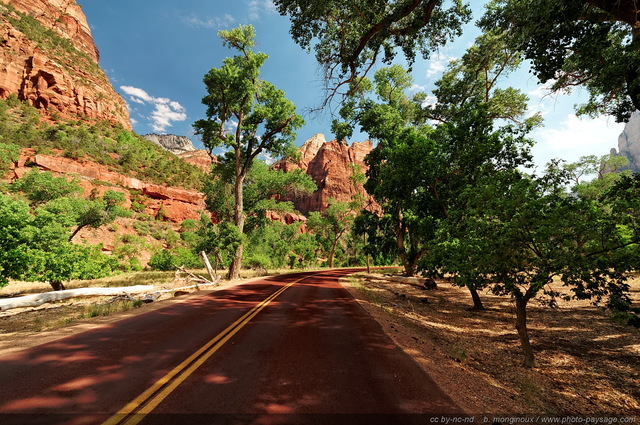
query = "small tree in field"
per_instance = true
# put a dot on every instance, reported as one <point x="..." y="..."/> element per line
<point x="522" y="233"/>
<point x="246" y="114"/>
<point x="333" y="224"/>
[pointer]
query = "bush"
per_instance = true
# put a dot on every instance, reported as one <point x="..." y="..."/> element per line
<point x="167" y="259"/>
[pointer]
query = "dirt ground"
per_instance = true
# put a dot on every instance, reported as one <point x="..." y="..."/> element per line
<point x="587" y="364"/>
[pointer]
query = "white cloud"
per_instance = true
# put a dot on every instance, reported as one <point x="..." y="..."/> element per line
<point x="137" y="95"/>
<point x="216" y="22"/>
<point x="415" y="88"/>
<point x="575" y="137"/>
<point x="165" y="110"/>
<point x="438" y="64"/>
<point x="258" y="8"/>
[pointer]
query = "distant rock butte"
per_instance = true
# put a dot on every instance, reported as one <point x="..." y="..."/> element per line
<point x="171" y="142"/>
<point x="629" y="143"/>
<point x="58" y="81"/>
<point x="332" y="166"/>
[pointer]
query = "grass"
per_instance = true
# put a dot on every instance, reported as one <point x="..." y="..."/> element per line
<point x="15" y="288"/>
<point x="110" y="308"/>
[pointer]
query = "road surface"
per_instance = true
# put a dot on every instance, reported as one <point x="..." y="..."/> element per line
<point x="288" y="349"/>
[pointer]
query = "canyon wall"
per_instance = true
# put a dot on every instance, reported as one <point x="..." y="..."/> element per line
<point x="48" y="58"/>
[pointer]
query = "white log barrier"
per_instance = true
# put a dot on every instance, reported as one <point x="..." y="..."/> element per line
<point x="39" y="299"/>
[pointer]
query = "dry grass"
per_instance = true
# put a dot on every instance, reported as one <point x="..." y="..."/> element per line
<point x="587" y="364"/>
<point x="23" y="322"/>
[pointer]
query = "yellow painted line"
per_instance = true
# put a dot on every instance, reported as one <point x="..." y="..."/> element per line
<point x="146" y="402"/>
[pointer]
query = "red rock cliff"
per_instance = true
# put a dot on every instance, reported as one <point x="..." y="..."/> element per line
<point x="332" y="166"/>
<point x="48" y="58"/>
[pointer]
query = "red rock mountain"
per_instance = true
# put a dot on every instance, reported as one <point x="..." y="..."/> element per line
<point x="334" y="167"/>
<point x="48" y="58"/>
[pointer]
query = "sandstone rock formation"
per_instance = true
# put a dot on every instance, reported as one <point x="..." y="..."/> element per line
<point x="171" y="142"/>
<point x="177" y="204"/>
<point x="333" y="166"/>
<point x="199" y="158"/>
<point x="48" y="58"/>
<point x="629" y="143"/>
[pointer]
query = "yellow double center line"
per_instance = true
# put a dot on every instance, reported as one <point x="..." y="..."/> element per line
<point x="146" y="402"/>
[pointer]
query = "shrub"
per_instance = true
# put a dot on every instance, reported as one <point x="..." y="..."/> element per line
<point x="166" y="259"/>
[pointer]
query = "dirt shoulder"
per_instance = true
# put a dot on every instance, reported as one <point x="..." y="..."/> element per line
<point x="587" y="364"/>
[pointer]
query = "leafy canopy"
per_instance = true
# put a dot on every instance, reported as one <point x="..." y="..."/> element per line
<point x="349" y="38"/>
<point x="593" y="43"/>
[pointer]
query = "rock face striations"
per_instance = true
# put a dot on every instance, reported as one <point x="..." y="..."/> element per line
<point x="48" y="58"/>
<point x="335" y="168"/>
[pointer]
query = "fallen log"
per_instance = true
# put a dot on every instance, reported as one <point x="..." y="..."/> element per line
<point x="47" y="297"/>
<point x="196" y="278"/>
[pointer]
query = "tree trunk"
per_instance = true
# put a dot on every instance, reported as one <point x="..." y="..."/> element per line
<point x="477" y="302"/>
<point x="334" y="244"/>
<point x="35" y="300"/>
<point x="236" y="264"/>
<point x="523" y="334"/>
<point x="75" y="232"/>
<point x="57" y="285"/>
<point x="367" y="255"/>
<point x="409" y="267"/>
<point x="238" y="217"/>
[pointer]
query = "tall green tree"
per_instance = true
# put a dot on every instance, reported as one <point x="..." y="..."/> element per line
<point x="246" y="114"/>
<point x="417" y="172"/>
<point x="350" y="37"/>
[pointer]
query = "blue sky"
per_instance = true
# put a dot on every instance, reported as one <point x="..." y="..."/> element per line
<point x="156" y="53"/>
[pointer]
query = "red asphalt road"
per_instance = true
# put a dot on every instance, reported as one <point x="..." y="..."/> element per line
<point x="313" y="355"/>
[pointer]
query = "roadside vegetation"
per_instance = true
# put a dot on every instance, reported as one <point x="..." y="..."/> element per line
<point x="122" y="151"/>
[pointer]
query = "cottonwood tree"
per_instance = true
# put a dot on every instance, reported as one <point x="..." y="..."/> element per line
<point x="604" y="171"/>
<point x="590" y="43"/>
<point x="482" y="131"/>
<point x="35" y="246"/>
<point x="521" y="233"/>
<point x="349" y="38"/>
<point x="246" y="114"/>
<point x="333" y="224"/>
<point x="383" y="109"/>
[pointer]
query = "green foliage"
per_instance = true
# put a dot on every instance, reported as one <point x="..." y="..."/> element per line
<point x="349" y="38"/>
<point x="34" y="245"/>
<point x="332" y="226"/>
<point x="9" y="154"/>
<point x="40" y="187"/>
<point x="126" y="251"/>
<point x="270" y="245"/>
<point x="571" y="43"/>
<point x="222" y="239"/>
<point x="169" y="259"/>
<point x="605" y="169"/>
